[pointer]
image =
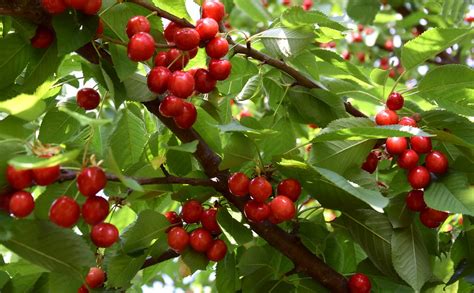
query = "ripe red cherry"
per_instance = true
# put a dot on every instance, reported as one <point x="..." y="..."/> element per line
<point x="177" y="59"/>
<point x="88" y="98"/>
<point x="92" y="7"/>
<point x="95" y="210"/>
<point x="203" y="81"/>
<point x="257" y="211"/>
<point x="47" y="175"/>
<point x="171" y="106"/>
<point x="419" y="177"/>
<point x="396" y="145"/>
<point x="386" y="117"/>
<point x="192" y="53"/>
<point x="359" y="283"/>
<point x="170" y="31"/>
<point x="220" y="69"/>
<point x="283" y="208"/>
<point x="290" y="188"/>
<point x="370" y="164"/>
<point x="178" y="239"/>
<point x="469" y="18"/>
<point x="421" y="144"/>
<point x="217" y="48"/>
<point x="217" y="251"/>
<point x="192" y="211"/>
<point x="64" y="212"/>
<point x="43" y="37"/>
<point x="104" y="234"/>
<point x="238" y="184"/>
<point x="209" y="221"/>
<point x="357" y="38"/>
<point x="158" y="78"/>
<point x="95" y="278"/>
<point x="389" y="45"/>
<point x="187" y="118"/>
<point x="207" y="28"/>
<point x="141" y="47"/>
<point x="436" y="215"/>
<point x="361" y="57"/>
<point x="436" y="162"/>
<point x="21" y="204"/>
<point x="19" y="179"/>
<point x="54" y="6"/>
<point x="181" y="84"/>
<point x="161" y="59"/>
<point x="407" y="121"/>
<point x="174" y="219"/>
<point x="76" y="4"/>
<point x="408" y="159"/>
<point x="213" y="9"/>
<point x="260" y="189"/>
<point x="200" y="240"/>
<point x="415" y="201"/>
<point x="307" y="4"/>
<point x="346" y="55"/>
<point x="427" y="220"/>
<point x="100" y="28"/>
<point x="395" y="101"/>
<point x="186" y="39"/>
<point x="91" y="180"/>
<point x="138" y="24"/>
<point x="83" y="289"/>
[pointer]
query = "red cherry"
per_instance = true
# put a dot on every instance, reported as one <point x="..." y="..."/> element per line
<point x="54" y="6"/>
<point x="43" y="37"/>
<point x="389" y="45"/>
<point x="207" y="28"/>
<point x="384" y="61"/>
<point x="161" y="59"/>
<point x="64" y="212"/>
<point x="209" y="221"/>
<point x="138" y="24"/>
<point x="346" y="55"/>
<point x="419" y="177"/>
<point x="181" y="84"/>
<point x="238" y="184"/>
<point x="158" y="78"/>
<point x="220" y="69"/>
<point x="19" y="179"/>
<point x="217" y="251"/>
<point x="186" y="119"/>
<point x="408" y="159"/>
<point x="104" y="234"/>
<point x="203" y="81"/>
<point x="21" y="204"/>
<point x="469" y="18"/>
<point x="213" y="9"/>
<point x="92" y="7"/>
<point x="171" y="106"/>
<point x="47" y="175"/>
<point x="421" y="144"/>
<point x="170" y="31"/>
<point x="415" y="201"/>
<point x="286" y="2"/>
<point x="283" y="208"/>
<point x="370" y="164"/>
<point x="88" y="98"/>
<point x="174" y="219"/>
<point x="192" y="53"/>
<point x="186" y="39"/>
<point x="395" y="101"/>
<point x="76" y="4"/>
<point x="91" y="180"/>
<point x="290" y="188"/>
<point x="357" y="38"/>
<point x="178" y="239"/>
<point x="141" y="47"/>
<point x="407" y="121"/>
<point x="95" y="278"/>
<point x="95" y="210"/>
<point x="274" y="220"/>
<point x="438" y="216"/>
<point x="100" y="28"/>
<point x="396" y="145"/>
<point x="83" y="289"/>
<point x="359" y="283"/>
<point x="436" y="162"/>
<point x="257" y="211"/>
<point x="217" y="48"/>
<point x="386" y="117"/>
<point x="192" y="211"/>
<point x="177" y="59"/>
<point x="427" y="220"/>
<point x="260" y="189"/>
<point x="307" y="4"/>
<point x="200" y="240"/>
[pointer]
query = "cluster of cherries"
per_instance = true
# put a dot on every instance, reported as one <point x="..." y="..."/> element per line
<point x="203" y="239"/>
<point x="167" y="74"/>
<point x="419" y="176"/>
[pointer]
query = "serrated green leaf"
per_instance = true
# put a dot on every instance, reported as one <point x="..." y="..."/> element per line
<point x="284" y="42"/>
<point x="137" y="88"/>
<point x="296" y="16"/>
<point x="176" y="7"/>
<point x="254" y="9"/>
<point x="73" y="31"/>
<point x="249" y="89"/>
<point x="84" y="120"/>
<point x="363" y="11"/>
<point x="31" y="162"/>
<point x="24" y="106"/>
<point x="239" y="149"/>
<point x="15" y="53"/>
<point x="114" y="168"/>
<point x="226" y="274"/>
<point x="121" y="268"/>
<point x="233" y="228"/>
<point x="379" y="76"/>
<point x="186" y="147"/>
<point x="124" y="66"/>
<point x="361" y="133"/>
<point x="63" y="124"/>
<point x="194" y="261"/>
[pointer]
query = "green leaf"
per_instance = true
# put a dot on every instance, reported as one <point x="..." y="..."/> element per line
<point x="296" y="16"/>
<point x="13" y="127"/>
<point x="84" y="120"/>
<point x="43" y="65"/>
<point x="63" y="124"/>
<point x="250" y="89"/>
<point x="226" y="274"/>
<point x="363" y="11"/>
<point x="254" y="9"/>
<point x="137" y="88"/>
<point x="175" y="7"/>
<point x="121" y="268"/>
<point x="239" y="149"/>
<point x="114" y="168"/>
<point x="379" y="76"/>
<point x="193" y="260"/>
<point x="254" y="258"/>
<point x="31" y="162"/>
<point x="284" y="42"/>
<point x="15" y="53"/>
<point x="445" y="78"/>
<point x="189" y="147"/>
<point x="73" y="30"/>
<point x="124" y="66"/>
<point x="24" y="106"/>
<point x="233" y="228"/>
<point x="340" y="252"/>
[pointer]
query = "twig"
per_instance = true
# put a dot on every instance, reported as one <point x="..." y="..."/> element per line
<point x="151" y="261"/>
<point x="160" y="12"/>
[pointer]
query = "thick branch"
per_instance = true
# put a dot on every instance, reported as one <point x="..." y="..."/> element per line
<point x="28" y="9"/>
<point x="151" y="261"/>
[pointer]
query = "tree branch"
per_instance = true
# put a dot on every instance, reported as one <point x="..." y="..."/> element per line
<point x="151" y="261"/>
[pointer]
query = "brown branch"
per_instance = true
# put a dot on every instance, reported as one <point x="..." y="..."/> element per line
<point x="27" y="9"/>
<point x="167" y="255"/>
<point x="160" y="12"/>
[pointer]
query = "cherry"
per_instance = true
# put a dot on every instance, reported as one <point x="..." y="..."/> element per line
<point x="203" y="81"/>
<point x="357" y="38"/>
<point x="177" y="59"/>
<point x="138" y="24"/>
<point x="407" y="121"/>
<point x="54" y="6"/>
<point x="419" y="177"/>
<point x="92" y="7"/>
<point x="220" y="69"/>
<point x="217" y="48"/>
<point x="361" y="57"/>
<point x="207" y="28"/>
<point x="186" y="39"/>
<point x="438" y="216"/>
<point x="436" y="162"/>
<point x="181" y="84"/>
<point x="370" y="164"/>
<point x="178" y="239"/>
<point x="469" y="18"/>
<point x="213" y="9"/>
<point x="95" y="277"/>
<point x="21" y="204"/>
<point x="200" y="240"/>
<point x="257" y="211"/>
<point x="88" y="98"/>
<point x="209" y="221"/>
<point x="192" y="211"/>
<point x="5" y="202"/>
<point x="47" y="175"/>
<point x="187" y="118"/>
<point x="427" y="220"/>
<point x="415" y="201"/>
<point x="95" y="210"/>
<point x="238" y="184"/>
<point x="161" y="59"/>
<point x="384" y="61"/>
<point x="396" y="145"/>
<point x="421" y="144"/>
<point x="286" y="2"/>
<point x="217" y="251"/>
<point x="274" y="220"/>
<point x="170" y="31"/>
<point x="260" y="189"/>
<point x="389" y="45"/>
<point x="64" y="212"/>
<point x="359" y="283"/>
<point x="83" y="289"/>
<point x="386" y="117"/>
<point x="307" y="4"/>
<point x="283" y="208"/>
<point x="290" y="188"/>
<point x="43" y="37"/>
<point x="158" y="78"/>
<point x="346" y="55"/>
<point x="19" y="179"/>
<point x="171" y="106"/>
<point x="408" y="159"/>
<point x="91" y="180"/>
<point x="141" y="47"/>
<point x="104" y="234"/>
<point x="395" y="101"/>
<point x="174" y="219"/>
<point x="76" y="4"/>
